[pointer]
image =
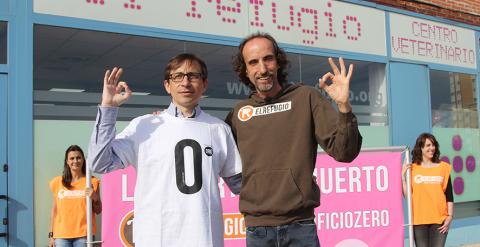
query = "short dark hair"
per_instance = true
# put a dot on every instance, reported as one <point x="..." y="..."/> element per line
<point x="67" y="174"/>
<point x="178" y="60"/>
<point x="240" y="67"/>
<point x="417" y="150"/>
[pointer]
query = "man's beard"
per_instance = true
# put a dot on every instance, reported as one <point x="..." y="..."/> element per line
<point x="265" y="87"/>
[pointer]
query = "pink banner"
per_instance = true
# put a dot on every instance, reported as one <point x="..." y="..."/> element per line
<point x="117" y="215"/>
<point x="360" y="199"/>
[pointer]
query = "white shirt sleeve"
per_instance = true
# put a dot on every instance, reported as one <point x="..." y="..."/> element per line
<point x="105" y="152"/>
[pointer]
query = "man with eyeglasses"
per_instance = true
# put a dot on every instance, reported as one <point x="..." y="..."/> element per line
<point x="178" y="155"/>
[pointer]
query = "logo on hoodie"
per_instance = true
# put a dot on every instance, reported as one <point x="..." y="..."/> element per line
<point x="247" y="112"/>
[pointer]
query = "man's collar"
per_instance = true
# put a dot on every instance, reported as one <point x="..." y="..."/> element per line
<point x="174" y="111"/>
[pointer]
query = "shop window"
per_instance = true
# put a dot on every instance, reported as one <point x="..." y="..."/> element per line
<point x="454" y="100"/>
<point x="455" y="125"/>
<point x="368" y="94"/>
<point x="3" y="42"/>
<point x="70" y="63"/>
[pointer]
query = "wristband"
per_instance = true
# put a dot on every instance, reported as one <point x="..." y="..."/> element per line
<point x="50" y="235"/>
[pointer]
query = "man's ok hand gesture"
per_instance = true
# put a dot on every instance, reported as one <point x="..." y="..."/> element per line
<point x="114" y="93"/>
<point x="339" y="88"/>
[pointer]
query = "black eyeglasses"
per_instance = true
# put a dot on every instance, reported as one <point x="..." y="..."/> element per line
<point x="191" y="76"/>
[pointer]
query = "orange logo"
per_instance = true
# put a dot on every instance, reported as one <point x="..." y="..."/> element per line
<point x="126" y="230"/>
<point x="234" y="226"/>
<point x="245" y="113"/>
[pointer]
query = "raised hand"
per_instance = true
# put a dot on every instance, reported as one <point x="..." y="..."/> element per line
<point x="112" y="89"/>
<point x="339" y="88"/>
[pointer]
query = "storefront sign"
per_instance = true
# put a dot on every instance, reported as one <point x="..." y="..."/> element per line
<point x="359" y="200"/>
<point x="432" y="42"/>
<point x="313" y="23"/>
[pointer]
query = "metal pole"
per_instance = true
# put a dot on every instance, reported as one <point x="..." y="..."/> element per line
<point x="89" y="207"/>
<point x="409" y="200"/>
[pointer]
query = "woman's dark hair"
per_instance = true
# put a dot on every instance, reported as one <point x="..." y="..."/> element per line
<point x="417" y="150"/>
<point x="240" y="67"/>
<point x="67" y="174"/>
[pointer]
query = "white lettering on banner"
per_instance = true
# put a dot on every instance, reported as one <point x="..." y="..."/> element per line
<point x="353" y="219"/>
<point x="325" y="24"/>
<point x="350" y="179"/>
<point x="423" y="40"/>
<point x="234" y="226"/>
<point x="125" y="196"/>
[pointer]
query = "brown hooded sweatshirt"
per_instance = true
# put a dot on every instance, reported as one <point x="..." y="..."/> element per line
<point x="277" y="139"/>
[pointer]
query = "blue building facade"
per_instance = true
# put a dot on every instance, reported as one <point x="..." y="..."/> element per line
<point x="413" y="73"/>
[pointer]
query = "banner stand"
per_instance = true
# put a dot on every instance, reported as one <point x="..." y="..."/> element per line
<point x="90" y="242"/>
<point x="402" y="149"/>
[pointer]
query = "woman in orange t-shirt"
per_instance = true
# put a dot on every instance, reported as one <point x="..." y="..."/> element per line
<point x="68" y="223"/>
<point x="432" y="197"/>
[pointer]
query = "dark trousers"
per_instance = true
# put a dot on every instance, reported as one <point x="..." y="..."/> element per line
<point x="429" y="236"/>
<point x="296" y="234"/>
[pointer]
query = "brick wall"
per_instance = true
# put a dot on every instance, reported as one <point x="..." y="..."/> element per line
<point x="466" y="11"/>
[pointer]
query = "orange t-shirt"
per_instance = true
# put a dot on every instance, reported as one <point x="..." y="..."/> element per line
<point x="429" y="202"/>
<point x="71" y="217"/>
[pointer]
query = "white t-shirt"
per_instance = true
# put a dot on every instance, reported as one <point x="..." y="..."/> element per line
<point x="178" y="163"/>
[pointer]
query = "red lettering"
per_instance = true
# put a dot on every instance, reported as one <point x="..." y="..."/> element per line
<point x="454" y="36"/>
<point x="101" y="2"/>
<point x="424" y="30"/>
<point x="398" y="44"/>
<point x="234" y="7"/>
<point x="458" y="52"/>
<point x="314" y="30"/>
<point x="413" y="42"/>
<point x="471" y="56"/>
<point x="351" y="19"/>
<point x="414" y="30"/>
<point x="451" y="54"/>
<point x="403" y="45"/>
<point x="428" y="48"/>
<point x="224" y="11"/>
<point x="421" y="48"/>
<point x="130" y="5"/>
<point x="446" y="34"/>
<point x="194" y="10"/>
<point x="329" y="16"/>
<point x="275" y="20"/>
<point x="256" y="6"/>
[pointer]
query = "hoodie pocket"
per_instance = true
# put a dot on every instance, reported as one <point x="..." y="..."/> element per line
<point x="271" y="192"/>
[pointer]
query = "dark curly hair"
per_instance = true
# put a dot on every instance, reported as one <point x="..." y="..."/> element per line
<point x="420" y="143"/>
<point x="67" y="174"/>
<point x="240" y="67"/>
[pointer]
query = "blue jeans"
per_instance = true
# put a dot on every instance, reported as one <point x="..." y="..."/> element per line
<point x="297" y="234"/>
<point x="71" y="242"/>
